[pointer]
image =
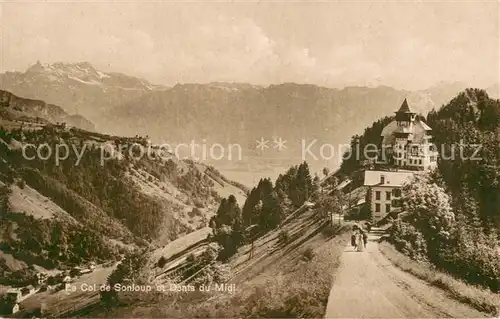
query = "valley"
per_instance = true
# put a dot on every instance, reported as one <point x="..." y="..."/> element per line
<point x="57" y="215"/>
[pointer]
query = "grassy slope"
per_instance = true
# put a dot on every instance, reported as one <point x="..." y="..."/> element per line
<point x="40" y="201"/>
<point x="479" y="298"/>
<point x="31" y="202"/>
<point x="277" y="282"/>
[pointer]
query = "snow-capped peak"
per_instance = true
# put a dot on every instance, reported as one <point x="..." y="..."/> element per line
<point x="84" y="73"/>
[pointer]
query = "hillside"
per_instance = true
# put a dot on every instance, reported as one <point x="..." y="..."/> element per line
<point x="275" y="235"/>
<point x="283" y="277"/>
<point x="78" y="87"/>
<point x="451" y="215"/>
<point x="18" y="109"/>
<point x="78" y="208"/>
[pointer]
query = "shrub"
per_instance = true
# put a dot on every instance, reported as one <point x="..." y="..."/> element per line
<point x="308" y="254"/>
<point x="479" y="298"/>
<point x="407" y="239"/>
<point x="198" y="203"/>
<point x="283" y="237"/>
<point x="474" y="258"/>
<point x="214" y="273"/>
<point x="194" y="212"/>
<point x="191" y="258"/>
<point x="74" y="272"/>
<point x="209" y="255"/>
<point x="469" y="255"/>
<point x="21" y="184"/>
<point x="329" y="231"/>
<point x="221" y="272"/>
<point x="162" y="262"/>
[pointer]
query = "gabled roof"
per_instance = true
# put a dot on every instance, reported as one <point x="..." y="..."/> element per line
<point x="393" y="179"/>
<point x="416" y="133"/>
<point x="13" y="290"/>
<point x="343" y="184"/>
<point x="425" y="126"/>
<point x="405" y="108"/>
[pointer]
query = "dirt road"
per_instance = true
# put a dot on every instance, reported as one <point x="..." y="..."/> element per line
<point x="367" y="285"/>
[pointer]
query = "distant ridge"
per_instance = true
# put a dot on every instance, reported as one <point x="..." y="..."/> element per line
<point x="13" y="107"/>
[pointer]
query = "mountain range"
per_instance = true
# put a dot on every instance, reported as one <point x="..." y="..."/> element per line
<point x="219" y="112"/>
<point x="78" y="87"/>
<point x="299" y="114"/>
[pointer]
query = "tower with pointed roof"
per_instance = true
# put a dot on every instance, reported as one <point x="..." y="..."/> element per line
<point x="404" y="116"/>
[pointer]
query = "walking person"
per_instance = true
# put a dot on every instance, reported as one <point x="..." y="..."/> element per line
<point x="353" y="239"/>
<point x="359" y="241"/>
<point x="365" y="238"/>
<point x="368" y="226"/>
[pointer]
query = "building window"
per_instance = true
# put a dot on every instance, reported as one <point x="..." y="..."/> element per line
<point x="377" y="195"/>
<point x="388" y="195"/>
<point x="419" y="162"/>
<point x="397" y="192"/>
<point x="377" y="208"/>
<point x="414" y="150"/>
<point x="388" y="208"/>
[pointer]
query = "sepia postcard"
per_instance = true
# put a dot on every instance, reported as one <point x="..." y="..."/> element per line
<point x="249" y="159"/>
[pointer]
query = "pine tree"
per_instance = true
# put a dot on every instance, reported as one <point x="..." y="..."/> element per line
<point x="304" y="183"/>
<point x="326" y="171"/>
<point x="249" y="214"/>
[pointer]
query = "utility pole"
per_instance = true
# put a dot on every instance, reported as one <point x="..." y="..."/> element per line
<point x="252" y="249"/>
<point x="341" y="217"/>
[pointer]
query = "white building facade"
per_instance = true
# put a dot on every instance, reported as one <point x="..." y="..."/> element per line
<point x="407" y="142"/>
<point x="385" y="191"/>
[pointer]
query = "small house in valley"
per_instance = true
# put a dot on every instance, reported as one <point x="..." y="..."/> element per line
<point x="41" y="278"/>
<point x="14" y="294"/>
<point x="15" y="308"/>
<point x="28" y="290"/>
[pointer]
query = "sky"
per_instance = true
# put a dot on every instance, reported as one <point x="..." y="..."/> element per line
<point x="408" y="45"/>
